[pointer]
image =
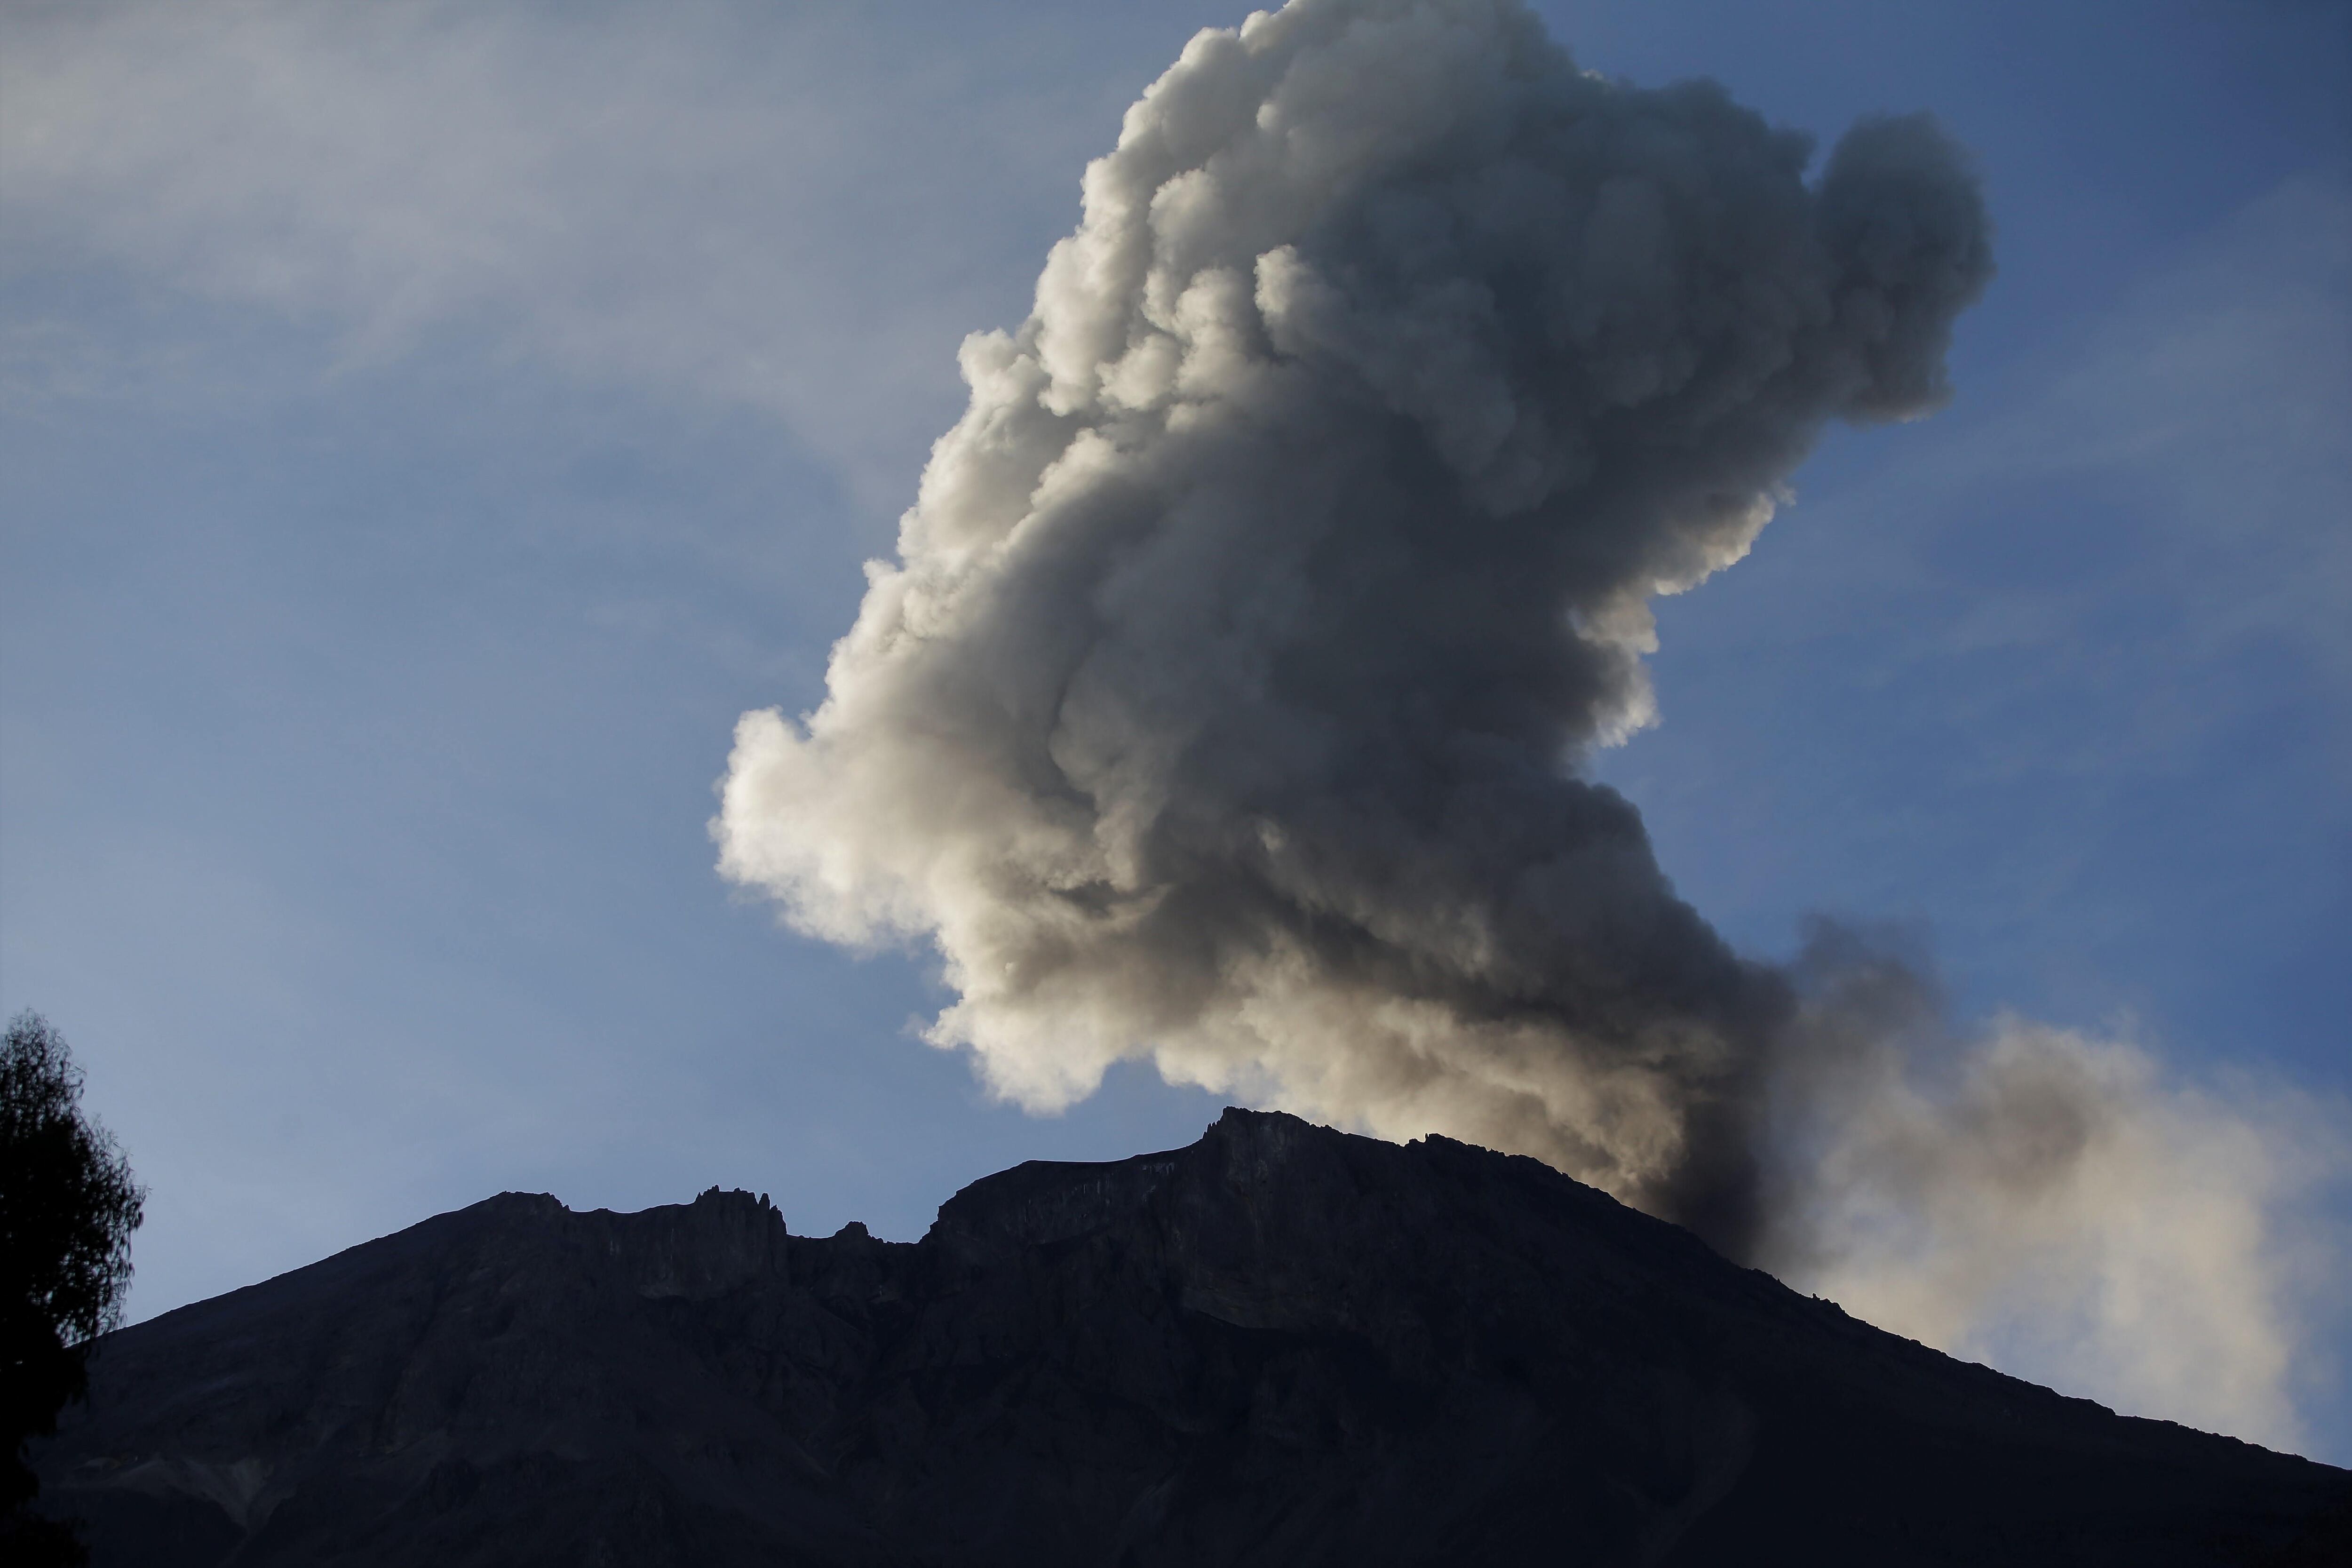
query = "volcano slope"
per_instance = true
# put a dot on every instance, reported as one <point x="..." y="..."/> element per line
<point x="1279" y="1345"/>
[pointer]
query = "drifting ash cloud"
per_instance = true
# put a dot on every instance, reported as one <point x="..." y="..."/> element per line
<point x="1225" y="702"/>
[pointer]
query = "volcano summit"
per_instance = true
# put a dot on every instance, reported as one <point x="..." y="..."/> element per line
<point x="1280" y="1344"/>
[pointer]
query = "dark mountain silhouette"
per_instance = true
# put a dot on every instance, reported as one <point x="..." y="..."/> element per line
<point x="1281" y="1345"/>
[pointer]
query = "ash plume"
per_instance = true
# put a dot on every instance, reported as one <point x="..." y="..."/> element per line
<point x="1225" y="702"/>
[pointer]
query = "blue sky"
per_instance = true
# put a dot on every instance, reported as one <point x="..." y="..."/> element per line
<point x="428" y="428"/>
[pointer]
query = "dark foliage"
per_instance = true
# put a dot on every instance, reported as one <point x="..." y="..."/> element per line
<point x="68" y="1206"/>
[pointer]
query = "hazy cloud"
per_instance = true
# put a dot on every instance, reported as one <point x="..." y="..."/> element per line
<point x="750" y="205"/>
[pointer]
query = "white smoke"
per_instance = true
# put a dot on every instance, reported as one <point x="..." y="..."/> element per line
<point x="1224" y="705"/>
<point x="2045" y="1200"/>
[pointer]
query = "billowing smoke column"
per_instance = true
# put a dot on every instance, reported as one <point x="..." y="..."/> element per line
<point x="1224" y="704"/>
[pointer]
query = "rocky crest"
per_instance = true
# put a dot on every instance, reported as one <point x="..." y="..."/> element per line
<point x="1280" y="1345"/>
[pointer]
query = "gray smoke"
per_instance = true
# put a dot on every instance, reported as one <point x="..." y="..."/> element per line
<point x="2047" y="1200"/>
<point x="1224" y="704"/>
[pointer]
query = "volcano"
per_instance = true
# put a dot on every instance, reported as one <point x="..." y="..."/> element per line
<point x="1281" y="1344"/>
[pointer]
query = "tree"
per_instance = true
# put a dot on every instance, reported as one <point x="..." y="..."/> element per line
<point x="68" y="1206"/>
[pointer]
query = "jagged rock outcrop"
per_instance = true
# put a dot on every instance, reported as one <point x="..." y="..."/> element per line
<point x="1280" y="1345"/>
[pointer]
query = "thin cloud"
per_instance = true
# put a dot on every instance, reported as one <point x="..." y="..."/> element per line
<point x="751" y="205"/>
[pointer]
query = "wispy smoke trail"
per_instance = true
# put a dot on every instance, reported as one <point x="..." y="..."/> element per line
<point x="1224" y="704"/>
<point x="2045" y="1200"/>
